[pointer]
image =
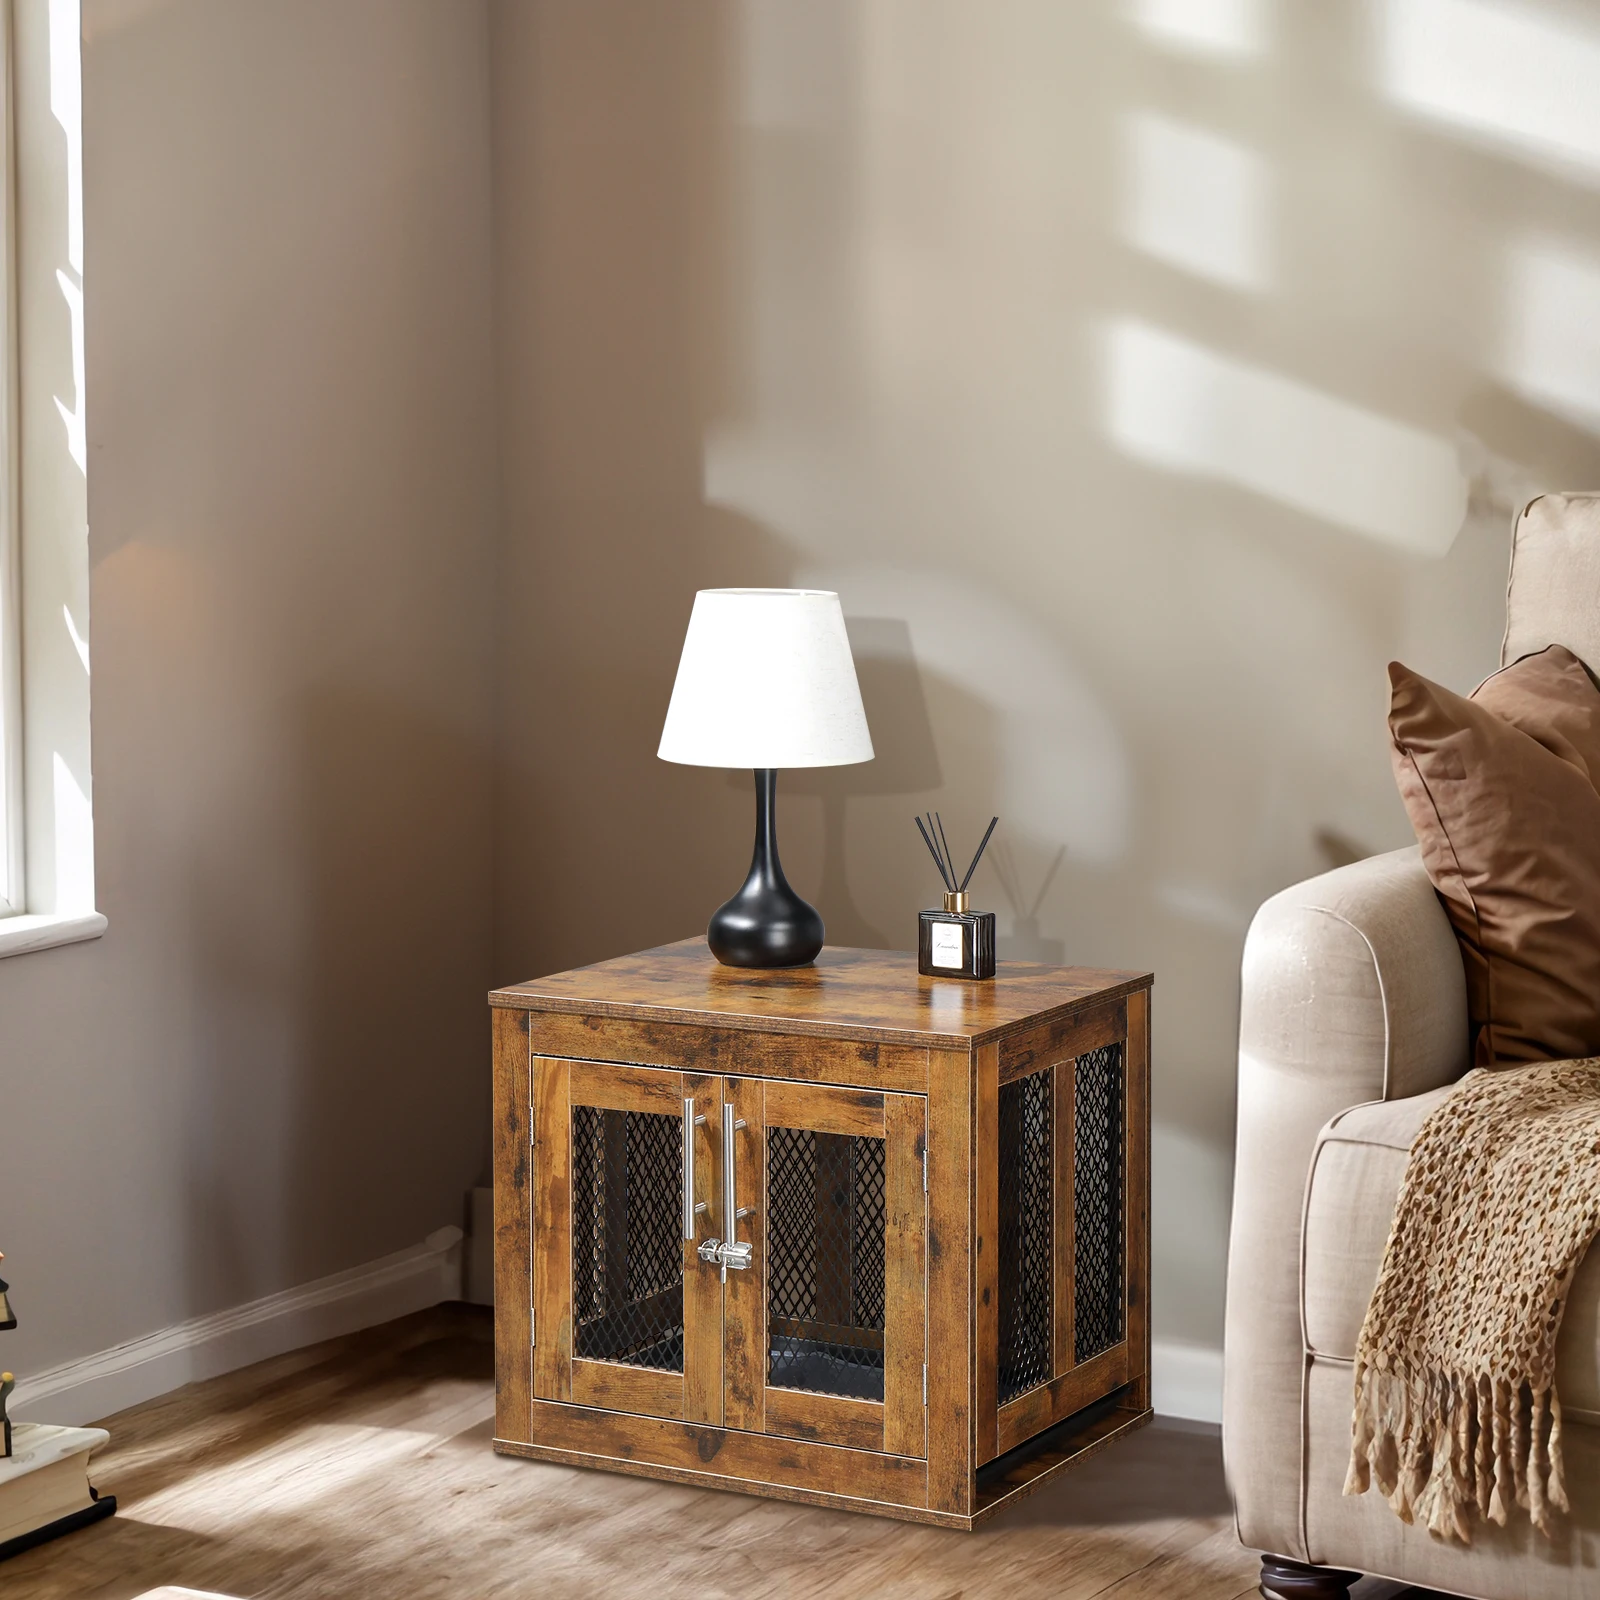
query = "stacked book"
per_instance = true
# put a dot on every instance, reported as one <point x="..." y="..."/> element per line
<point x="44" y="1485"/>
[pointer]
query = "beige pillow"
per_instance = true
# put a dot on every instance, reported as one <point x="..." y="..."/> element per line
<point x="1501" y="792"/>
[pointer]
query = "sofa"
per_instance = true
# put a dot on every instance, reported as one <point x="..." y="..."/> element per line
<point x="1353" y="1027"/>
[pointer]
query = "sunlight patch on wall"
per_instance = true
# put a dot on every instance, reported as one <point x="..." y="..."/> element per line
<point x="1552" y="325"/>
<point x="79" y="643"/>
<point x="1508" y="73"/>
<point x="73" y="416"/>
<point x="1196" y="201"/>
<point x="1207" y="27"/>
<point x="1178" y="405"/>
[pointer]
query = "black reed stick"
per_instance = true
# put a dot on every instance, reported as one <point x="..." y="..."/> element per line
<point x="975" y="860"/>
<point x="950" y="860"/>
<point x="944" y="866"/>
<point x="935" y="854"/>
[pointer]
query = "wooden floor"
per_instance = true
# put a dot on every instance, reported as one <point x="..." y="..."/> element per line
<point x="363" y="1468"/>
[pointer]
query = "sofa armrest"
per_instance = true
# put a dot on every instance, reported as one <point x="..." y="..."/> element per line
<point x="1353" y="990"/>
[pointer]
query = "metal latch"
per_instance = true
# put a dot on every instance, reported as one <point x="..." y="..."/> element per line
<point x="734" y="1253"/>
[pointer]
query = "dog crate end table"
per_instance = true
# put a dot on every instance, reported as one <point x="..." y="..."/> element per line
<point x="839" y="1234"/>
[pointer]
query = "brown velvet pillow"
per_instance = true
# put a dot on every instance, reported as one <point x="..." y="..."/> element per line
<point x="1501" y="792"/>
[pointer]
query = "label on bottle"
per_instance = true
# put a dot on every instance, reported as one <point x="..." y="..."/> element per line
<point x="945" y="944"/>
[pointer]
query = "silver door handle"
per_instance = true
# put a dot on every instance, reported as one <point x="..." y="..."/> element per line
<point x="690" y="1207"/>
<point x="729" y="1252"/>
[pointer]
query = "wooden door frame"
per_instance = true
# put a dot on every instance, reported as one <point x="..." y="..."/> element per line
<point x="896" y="1425"/>
<point x="695" y="1394"/>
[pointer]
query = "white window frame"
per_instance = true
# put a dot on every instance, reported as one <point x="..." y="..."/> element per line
<point x="46" y="827"/>
<point x="13" y="900"/>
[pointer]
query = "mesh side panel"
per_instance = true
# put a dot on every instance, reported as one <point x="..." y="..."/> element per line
<point x="1097" y="1200"/>
<point x="627" y="1256"/>
<point x="825" y="1243"/>
<point x="1027" y="1259"/>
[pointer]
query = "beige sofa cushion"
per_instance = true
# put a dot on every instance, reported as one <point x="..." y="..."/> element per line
<point x="1553" y="596"/>
<point x="1356" y="1170"/>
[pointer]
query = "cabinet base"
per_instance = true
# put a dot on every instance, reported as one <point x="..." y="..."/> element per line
<point x="892" y="1486"/>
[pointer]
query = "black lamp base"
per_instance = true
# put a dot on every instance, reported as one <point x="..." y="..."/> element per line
<point x="766" y="924"/>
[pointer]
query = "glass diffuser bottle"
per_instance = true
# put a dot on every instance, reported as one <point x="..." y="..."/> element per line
<point x="956" y="942"/>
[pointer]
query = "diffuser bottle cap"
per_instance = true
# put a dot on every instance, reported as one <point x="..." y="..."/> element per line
<point x="957" y="903"/>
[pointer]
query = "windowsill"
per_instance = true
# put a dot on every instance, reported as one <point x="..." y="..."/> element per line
<point x="19" y="935"/>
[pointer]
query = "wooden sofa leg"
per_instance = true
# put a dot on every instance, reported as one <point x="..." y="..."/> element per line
<point x="1282" y="1579"/>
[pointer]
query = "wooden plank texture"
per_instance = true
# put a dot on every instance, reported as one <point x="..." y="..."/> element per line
<point x="985" y="1255"/>
<point x="725" y="1452"/>
<point x="803" y="1058"/>
<point x="622" y="1388"/>
<point x="825" y="1419"/>
<point x="850" y="1046"/>
<point x="1136" y="1233"/>
<point x="702" y="1285"/>
<point x="290" y="1478"/>
<point x="950" y="1345"/>
<point x="744" y="1340"/>
<point x="854" y="1112"/>
<point x="876" y="996"/>
<point x="617" y="1088"/>
<point x="1062" y="1037"/>
<point x="513" y="1225"/>
<point x="1053" y="1402"/>
<point x="905" y="1427"/>
<point x="552" y="1230"/>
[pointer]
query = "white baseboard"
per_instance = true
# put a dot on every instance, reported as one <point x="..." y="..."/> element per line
<point x="128" y="1374"/>
<point x="1186" y="1380"/>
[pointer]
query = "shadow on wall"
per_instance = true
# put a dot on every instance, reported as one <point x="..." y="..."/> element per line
<point x="1144" y="377"/>
<point x="905" y="763"/>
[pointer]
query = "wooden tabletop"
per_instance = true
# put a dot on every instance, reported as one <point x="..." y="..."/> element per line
<point x="860" y="994"/>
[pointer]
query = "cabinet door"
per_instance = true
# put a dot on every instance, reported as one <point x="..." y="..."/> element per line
<point x="625" y="1316"/>
<point x="826" y="1334"/>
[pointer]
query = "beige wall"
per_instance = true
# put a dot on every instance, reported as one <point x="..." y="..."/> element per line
<point x="272" y="1065"/>
<point x="1130" y="387"/>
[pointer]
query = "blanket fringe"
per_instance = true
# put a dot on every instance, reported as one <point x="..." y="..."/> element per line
<point x="1440" y="1446"/>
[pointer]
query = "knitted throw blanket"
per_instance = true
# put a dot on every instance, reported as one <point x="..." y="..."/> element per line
<point x="1455" y="1401"/>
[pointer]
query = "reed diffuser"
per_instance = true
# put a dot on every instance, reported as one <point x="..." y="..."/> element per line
<point x="956" y="942"/>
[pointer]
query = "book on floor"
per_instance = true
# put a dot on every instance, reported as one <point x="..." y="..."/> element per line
<point x="44" y="1485"/>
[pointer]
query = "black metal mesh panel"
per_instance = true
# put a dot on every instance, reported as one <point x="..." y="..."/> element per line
<point x="1027" y="1260"/>
<point x="826" y="1218"/>
<point x="1097" y="1200"/>
<point x="627" y="1253"/>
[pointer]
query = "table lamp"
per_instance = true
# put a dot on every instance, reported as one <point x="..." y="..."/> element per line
<point x="766" y="680"/>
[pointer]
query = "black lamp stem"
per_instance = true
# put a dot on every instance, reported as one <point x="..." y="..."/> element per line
<point x="765" y="861"/>
<point x="766" y="924"/>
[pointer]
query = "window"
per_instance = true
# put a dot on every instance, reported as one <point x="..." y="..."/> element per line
<point x="47" y="863"/>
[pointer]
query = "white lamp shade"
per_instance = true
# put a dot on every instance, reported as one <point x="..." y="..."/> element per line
<point x="766" y="679"/>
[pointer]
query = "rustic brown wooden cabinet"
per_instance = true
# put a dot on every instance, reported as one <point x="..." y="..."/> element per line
<point x="841" y="1234"/>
